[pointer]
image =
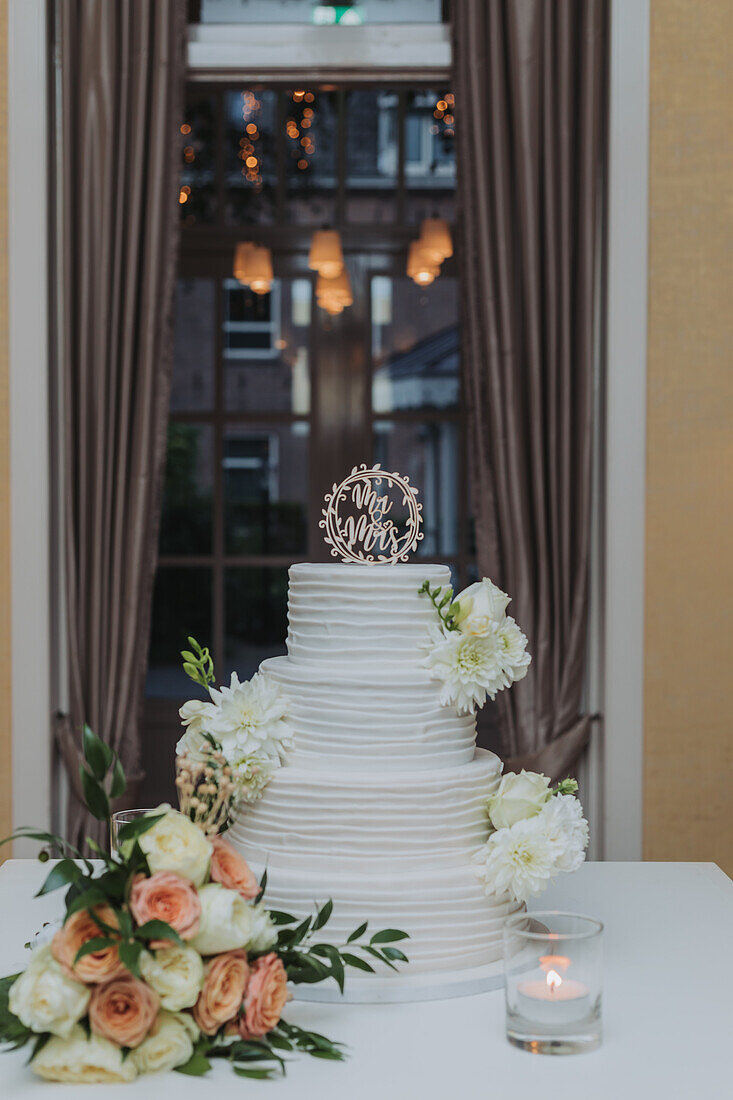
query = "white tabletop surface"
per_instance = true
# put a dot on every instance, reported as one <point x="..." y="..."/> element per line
<point x="668" y="1010"/>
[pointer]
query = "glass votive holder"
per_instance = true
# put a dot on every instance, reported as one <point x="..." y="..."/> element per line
<point x="123" y="817"/>
<point x="553" y="965"/>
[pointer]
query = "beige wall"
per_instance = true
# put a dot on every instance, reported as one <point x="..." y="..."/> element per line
<point x="5" y="711"/>
<point x="688" y="729"/>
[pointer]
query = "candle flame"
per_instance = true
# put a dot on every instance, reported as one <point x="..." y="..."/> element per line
<point x="554" y="980"/>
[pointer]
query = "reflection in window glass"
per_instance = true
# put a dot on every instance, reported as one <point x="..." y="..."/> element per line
<point x="429" y="454"/>
<point x="181" y="606"/>
<point x="371" y="155"/>
<point x="313" y="11"/>
<point x="185" y="524"/>
<point x="250" y="160"/>
<point x="266" y="489"/>
<point x="311" y="124"/>
<point x="197" y="195"/>
<point x="256" y="609"/>
<point x="415" y="345"/>
<point x="266" y="347"/>
<point x="194" y="337"/>
<point x="430" y="155"/>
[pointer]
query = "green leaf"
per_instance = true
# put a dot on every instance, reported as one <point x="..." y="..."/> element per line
<point x="158" y="930"/>
<point x="97" y="943"/>
<point x="85" y="900"/>
<point x="258" y="1074"/>
<point x="278" y="917"/>
<point x="61" y="875"/>
<point x="11" y="1029"/>
<point x="354" y="960"/>
<point x="136" y="828"/>
<point x="38" y="1045"/>
<point x="95" y="799"/>
<point x="196" y="1066"/>
<point x="301" y="931"/>
<point x="130" y="951"/>
<point x="97" y="755"/>
<point x="378" y="955"/>
<point x="118" y="785"/>
<point x="362" y="927"/>
<point x="332" y="1055"/>
<point x="388" y="935"/>
<point x="323" y="916"/>
<point x="395" y="953"/>
<point x="279" y="1041"/>
<point x="263" y="887"/>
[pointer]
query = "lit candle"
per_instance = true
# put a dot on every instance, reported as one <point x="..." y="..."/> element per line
<point x="554" y="999"/>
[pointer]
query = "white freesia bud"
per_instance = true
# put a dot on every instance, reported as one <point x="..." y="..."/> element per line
<point x="479" y="607"/>
<point x="168" y="1044"/>
<point x="83" y="1059"/>
<point x="264" y="933"/>
<point x="176" y="974"/>
<point x="196" y="716"/>
<point x="226" y="921"/>
<point x="175" y="844"/>
<point x="45" y="998"/>
<point x="518" y="797"/>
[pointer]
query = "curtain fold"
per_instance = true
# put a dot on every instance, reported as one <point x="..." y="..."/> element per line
<point x="530" y="91"/>
<point x="121" y="76"/>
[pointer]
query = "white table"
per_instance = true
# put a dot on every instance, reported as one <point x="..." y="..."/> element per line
<point x="668" y="1010"/>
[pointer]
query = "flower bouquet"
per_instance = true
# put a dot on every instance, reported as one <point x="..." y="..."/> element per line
<point x="168" y="957"/>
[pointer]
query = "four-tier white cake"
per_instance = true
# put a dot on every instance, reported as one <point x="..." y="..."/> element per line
<point x="382" y="801"/>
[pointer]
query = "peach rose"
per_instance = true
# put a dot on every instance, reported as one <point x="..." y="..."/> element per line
<point x="267" y="994"/>
<point x="99" y="966"/>
<point x="225" y="981"/>
<point x="168" y="897"/>
<point x="123" y="1011"/>
<point x="228" y="868"/>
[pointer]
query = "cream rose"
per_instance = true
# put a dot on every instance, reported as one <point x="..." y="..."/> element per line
<point x="196" y="717"/>
<point x="45" y="998"/>
<point x="517" y="798"/>
<point x="82" y="1060"/>
<point x="168" y="1044"/>
<point x="264" y="933"/>
<point x="226" y="921"/>
<point x="175" y="844"/>
<point x="176" y="974"/>
<point x="480" y="605"/>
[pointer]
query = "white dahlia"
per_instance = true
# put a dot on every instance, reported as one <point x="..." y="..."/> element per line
<point x="512" y="644"/>
<point x="518" y="860"/>
<point x="566" y="831"/>
<point x="252" y="774"/>
<point x="469" y="667"/>
<point x="249" y="720"/>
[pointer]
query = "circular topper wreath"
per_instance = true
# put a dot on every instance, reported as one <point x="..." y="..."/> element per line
<point x="367" y="534"/>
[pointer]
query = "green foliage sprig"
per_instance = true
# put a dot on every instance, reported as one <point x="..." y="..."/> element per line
<point x="443" y="602"/>
<point x="198" y="664"/>
<point x="566" y="786"/>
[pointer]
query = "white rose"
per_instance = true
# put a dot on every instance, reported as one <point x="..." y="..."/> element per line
<point x="83" y="1059"/>
<point x="175" y="844"/>
<point x="176" y="974"/>
<point x="226" y="921"/>
<point x="45" y="998"/>
<point x="168" y="1044"/>
<point x="196" y="716"/>
<point x="480" y="605"/>
<point x="264" y="933"/>
<point x="518" y="797"/>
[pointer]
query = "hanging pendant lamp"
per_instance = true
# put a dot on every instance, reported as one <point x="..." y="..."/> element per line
<point x="435" y="239"/>
<point x="326" y="256"/>
<point x="420" y="268"/>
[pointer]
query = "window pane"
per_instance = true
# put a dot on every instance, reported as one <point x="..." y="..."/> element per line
<point x="371" y="156"/>
<point x="429" y="454"/>
<point x="266" y="347"/>
<point x="249" y="156"/>
<point x="181" y="606"/>
<point x="430" y="156"/>
<point x="256" y="602"/>
<point x="311" y="11"/>
<point x="266" y="489"/>
<point x="415" y="344"/>
<point x="197" y="196"/>
<point x="185" y="525"/>
<point x="311" y="125"/>
<point x="194" y="349"/>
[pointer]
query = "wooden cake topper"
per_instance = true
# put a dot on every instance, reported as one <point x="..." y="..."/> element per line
<point x="357" y="523"/>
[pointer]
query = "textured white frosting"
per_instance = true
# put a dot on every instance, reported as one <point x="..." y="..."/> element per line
<point x="382" y="802"/>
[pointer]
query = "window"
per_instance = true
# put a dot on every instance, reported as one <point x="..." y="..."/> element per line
<point x="273" y="398"/>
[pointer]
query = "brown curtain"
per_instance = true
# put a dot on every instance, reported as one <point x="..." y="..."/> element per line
<point x="529" y="85"/>
<point x="122" y="67"/>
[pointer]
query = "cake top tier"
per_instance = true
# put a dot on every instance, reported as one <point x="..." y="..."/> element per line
<point x="369" y="614"/>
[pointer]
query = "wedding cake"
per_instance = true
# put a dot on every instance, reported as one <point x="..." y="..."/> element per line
<point x="381" y="803"/>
